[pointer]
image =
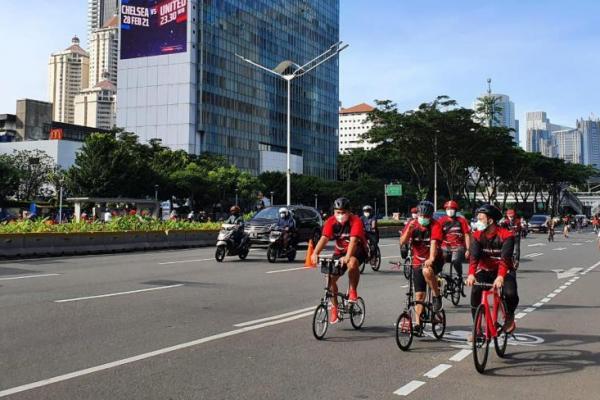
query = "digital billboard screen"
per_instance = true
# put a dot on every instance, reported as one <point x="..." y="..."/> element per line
<point x="153" y="27"/>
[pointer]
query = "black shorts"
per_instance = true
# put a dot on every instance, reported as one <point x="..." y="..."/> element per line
<point x="419" y="279"/>
<point x="360" y="254"/>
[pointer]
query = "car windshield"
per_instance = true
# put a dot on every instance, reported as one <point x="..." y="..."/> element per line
<point x="268" y="213"/>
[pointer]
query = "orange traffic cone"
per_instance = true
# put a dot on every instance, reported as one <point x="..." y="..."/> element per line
<point x="309" y="253"/>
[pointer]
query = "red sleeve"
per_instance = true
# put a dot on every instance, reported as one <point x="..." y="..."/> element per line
<point x="474" y="250"/>
<point x="357" y="229"/>
<point x="465" y="226"/>
<point x="436" y="232"/>
<point x="328" y="228"/>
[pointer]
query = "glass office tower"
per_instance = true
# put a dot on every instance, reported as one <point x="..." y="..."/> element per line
<point x="190" y="90"/>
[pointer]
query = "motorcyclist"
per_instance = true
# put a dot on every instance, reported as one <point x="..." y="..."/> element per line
<point x="236" y="218"/>
<point x="287" y="225"/>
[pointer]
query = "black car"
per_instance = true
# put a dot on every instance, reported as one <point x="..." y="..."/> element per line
<point x="539" y="223"/>
<point x="308" y="224"/>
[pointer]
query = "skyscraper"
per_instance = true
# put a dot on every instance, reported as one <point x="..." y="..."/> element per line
<point x="353" y="125"/>
<point x="538" y="133"/>
<point x="96" y="106"/>
<point x="504" y="114"/>
<point x="569" y="145"/>
<point x="104" y="52"/>
<point x="68" y="75"/>
<point x="180" y="79"/>
<point x="99" y="13"/>
<point x="590" y="134"/>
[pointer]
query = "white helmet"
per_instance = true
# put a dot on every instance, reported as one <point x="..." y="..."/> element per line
<point x="283" y="210"/>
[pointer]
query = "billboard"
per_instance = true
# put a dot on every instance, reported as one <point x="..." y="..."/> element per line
<point x="153" y="27"/>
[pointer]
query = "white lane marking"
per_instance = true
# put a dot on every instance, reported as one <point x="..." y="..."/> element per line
<point x="528" y="310"/>
<point x="185" y="261"/>
<point x="383" y="258"/>
<point x="288" y="269"/>
<point x="437" y="371"/>
<point x="544" y="300"/>
<point x="409" y="388"/>
<point x="563" y="287"/>
<point x="577" y="244"/>
<point x="27" y="277"/>
<point x="387" y="245"/>
<point x="558" y="291"/>
<point x="560" y="248"/>
<point x="461" y="355"/>
<point x="257" y="321"/>
<point x="118" y="293"/>
<point x="537" y="305"/>
<point x="536" y="244"/>
<point x="552" y="295"/>
<point x="589" y="241"/>
<point x="562" y="274"/>
<point x="532" y="255"/>
<point x="404" y="286"/>
<point x="139" y="357"/>
<point x="520" y="315"/>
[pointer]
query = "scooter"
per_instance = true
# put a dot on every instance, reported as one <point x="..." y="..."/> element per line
<point x="276" y="248"/>
<point x="226" y="245"/>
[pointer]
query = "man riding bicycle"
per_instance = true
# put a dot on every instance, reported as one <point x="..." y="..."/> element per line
<point x="512" y="222"/>
<point x="491" y="261"/>
<point x="350" y="248"/>
<point x="425" y="235"/>
<point x="405" y="247"/>
<point x="456" y="239"/>
<point x="369" y="221"/>
<point x="287" y="225"/>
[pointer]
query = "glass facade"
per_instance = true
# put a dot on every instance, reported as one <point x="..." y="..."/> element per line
<point x="242" y="109"/>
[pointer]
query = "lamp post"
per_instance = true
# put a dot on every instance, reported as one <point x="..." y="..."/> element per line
<point x="236" y="195"/>
<point x="375" y="201"/>
<point x="272" y="193"/>
<point x="298" y="71"/>
<point x="60" y="201"/>
<point x="316" y="200"/>
<point x="435" y="161"/>
<point x="156" y="192"/>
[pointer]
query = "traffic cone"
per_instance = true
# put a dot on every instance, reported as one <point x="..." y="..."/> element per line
<point x="309" y="253"/>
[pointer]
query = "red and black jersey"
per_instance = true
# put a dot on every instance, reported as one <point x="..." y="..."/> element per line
<point x="492" y="251"/>
<point x="343" y="232"/>
<point x="514" y="226"/>
<point x="421" y="240"/>
<point x="454" y="231"/>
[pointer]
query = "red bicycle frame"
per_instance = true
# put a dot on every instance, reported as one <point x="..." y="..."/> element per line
<point x="491" y="316"/>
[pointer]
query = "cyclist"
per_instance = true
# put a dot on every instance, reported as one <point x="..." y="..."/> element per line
<point x="235" y="218"/>
<point x="492" y="261"/>
<point x="512" y="222"/>
<point x="456" y="239"/>
<point x="350" y="247"/>
<point x="404" y="247"/>
<point x="425" y="235"/>
<point x="370" y="224"/>
<point x="287" y="225"/>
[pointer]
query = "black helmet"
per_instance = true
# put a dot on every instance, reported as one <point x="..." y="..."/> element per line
<point x="425" y="208"/>
<point x="491" y="211"/>
<point x="367" y="208"/>
<point x="341" y="203"/>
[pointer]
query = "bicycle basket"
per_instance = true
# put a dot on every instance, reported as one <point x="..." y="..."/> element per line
<point x="331" y="267"/>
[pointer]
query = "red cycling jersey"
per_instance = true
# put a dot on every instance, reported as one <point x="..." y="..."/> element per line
<point x="421" y="240"/>
<point x="514" y="226"/>
<point x="492" y="252"/>
<point x="454" y="231"/>
<point x="342" y="233"/>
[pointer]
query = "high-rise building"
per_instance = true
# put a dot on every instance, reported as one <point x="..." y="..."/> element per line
<point x="96" y="107"/>
<point x="104" y="52"/>
<point x="180" y="79"/>
<point x="505" y="114"/>
<point x="353" y="125"/>
<point x="99" y="13"/>
<point x="68" y="75"/>
<point x="569" y="145"/>
<point x="590" y="135"/>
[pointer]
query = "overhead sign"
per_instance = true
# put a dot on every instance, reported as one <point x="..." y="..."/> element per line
<point x="153" y="27"/>
<point x="393" y="190"/>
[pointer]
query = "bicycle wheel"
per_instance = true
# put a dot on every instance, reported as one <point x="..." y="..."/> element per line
<point x="220" y="253"/>
<point x="501" y="342"/>
<point x="271" y="254"/>
<point x="438" y="324"/>
<point x="357" y="313"/>
<point x="456" y="294"/>
<point x="376" y="261"/>
<point x="320" y="321"/>
<point x="481" y="343"/>
<point x="362" y="266"/>
<point x="407" y="267"/>
<point x="404" y="331"/>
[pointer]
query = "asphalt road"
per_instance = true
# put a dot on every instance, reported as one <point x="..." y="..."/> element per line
<point x="178" y="325"/>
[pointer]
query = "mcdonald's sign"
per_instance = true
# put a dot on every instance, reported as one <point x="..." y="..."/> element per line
<point x="56" y="134"/>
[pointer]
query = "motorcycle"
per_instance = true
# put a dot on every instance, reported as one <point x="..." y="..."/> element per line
<point x="227" y="246"/>
<point x="276" y="248"/>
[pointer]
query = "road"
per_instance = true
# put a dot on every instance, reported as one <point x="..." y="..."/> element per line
<point x="178" y="325"/>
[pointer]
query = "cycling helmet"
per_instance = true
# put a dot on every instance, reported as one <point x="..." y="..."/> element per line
<point x="341" y="203"/>
<point x="425" y="208"/>
<point x="234" y="209"/>
<point x="284" y="210"/>
<point x="367" y="208"/>
<point x="491" y="211"/>
<point x="451" y="205"/>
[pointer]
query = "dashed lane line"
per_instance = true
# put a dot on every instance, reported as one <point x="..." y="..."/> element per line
<point x="118" y="293"/>
<point x="461" y="355"/>
<point x="409" y="388"/>
<point x="437" y="371"/>
<point x="27" y="277"/>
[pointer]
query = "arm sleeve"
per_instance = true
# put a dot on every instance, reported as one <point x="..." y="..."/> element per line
<point x="436" y="232"/>
<point x="357" y="229"/>
<point x="508" y="247"/>
<point x="328" y="229"/>
<point x="475" y="252"/>
<point x="465" y="226"/>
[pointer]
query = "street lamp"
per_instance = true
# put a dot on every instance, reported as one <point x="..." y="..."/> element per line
<point x="156" y="192"/>
<point x="272" y="198"/>
<point x="60" y="199"/>
<point x="298" y="71"/>
<point x="316" y="199"/>
<point x="435" y="163"/>
<point x="236" y="195"/>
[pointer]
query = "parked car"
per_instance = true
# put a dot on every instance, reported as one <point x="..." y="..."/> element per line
<point x="539" y="223"/>
<point x="308" y="224"/>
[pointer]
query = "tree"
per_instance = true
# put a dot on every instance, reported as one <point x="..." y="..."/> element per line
<point x="10" y="177"/>
<point x="34" y="168"/>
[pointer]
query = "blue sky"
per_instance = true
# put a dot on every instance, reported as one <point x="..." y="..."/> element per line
<point x="544" y="54"/>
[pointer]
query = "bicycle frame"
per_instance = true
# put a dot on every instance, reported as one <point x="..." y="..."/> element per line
<point x="491" y="316"/>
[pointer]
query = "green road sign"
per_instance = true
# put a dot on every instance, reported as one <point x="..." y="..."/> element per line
<point x="393" y="190"/>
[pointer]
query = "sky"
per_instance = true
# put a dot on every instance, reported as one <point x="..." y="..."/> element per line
<point x="544" y="54"/>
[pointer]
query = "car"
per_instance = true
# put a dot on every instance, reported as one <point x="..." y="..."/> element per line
<point x="539" y="223"/>
<point x="584" y="220"/>
<point x="308" y="223"/>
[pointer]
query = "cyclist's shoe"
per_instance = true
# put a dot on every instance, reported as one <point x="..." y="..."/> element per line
<point x="437" y="303"/>
<point x="352" y="296"/>
<point x="333" y="315"/>
<point x="418" y="330"/>
<point x="509" y="324"/>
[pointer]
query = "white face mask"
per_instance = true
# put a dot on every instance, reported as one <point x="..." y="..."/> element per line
<point x="414" y="216"/>
<point x="282" y="215"/>
<point x="367" y="214"/>
<point x="341" y="218"/>
<point x="451" y="213"/>
<point x="481" y="226"/>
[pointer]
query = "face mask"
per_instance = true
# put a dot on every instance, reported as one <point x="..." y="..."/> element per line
<point x="481" y="226"/>
<point x="341" y="218"/>
<point x="367" y="214"/>
<point x="451" y="213"/>
<point x="424" y="221"/>
<point x="414" y="216"/>
<point x="282" y="215"/>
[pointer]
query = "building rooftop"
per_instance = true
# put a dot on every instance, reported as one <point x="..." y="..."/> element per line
<point x="357" y="109"/>
<point x="113" y="22"/>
